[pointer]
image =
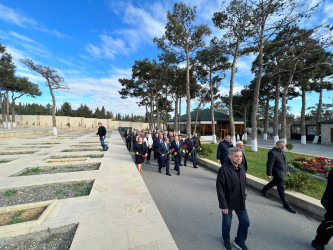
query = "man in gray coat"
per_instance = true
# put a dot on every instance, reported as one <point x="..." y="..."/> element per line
<point x="277" y="166"/>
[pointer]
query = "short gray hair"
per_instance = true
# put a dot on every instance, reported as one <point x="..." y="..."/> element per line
<point x="279" y="142"/>
<point x="234" y="150"/>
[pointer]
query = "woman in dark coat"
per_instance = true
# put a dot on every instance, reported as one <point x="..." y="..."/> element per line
<point x="140" y="150"/>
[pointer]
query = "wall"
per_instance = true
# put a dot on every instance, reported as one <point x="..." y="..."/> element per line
<point x="326" y="133"/>
<point x="45" y="121"/>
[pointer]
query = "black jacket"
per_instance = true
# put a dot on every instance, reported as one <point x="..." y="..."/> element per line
<point x="101" y="131"/>
<point x="189" y="144"/>
<point x="244" y="161"/>
<point x="230" y="186"/>
<point x="277" y="165"/>
<point x="174" y="146"/>
<point x="222" y="151"/>
<point x="327" y="199"/>
<point x="196" y="141"/>
<point x="163" y="150"/>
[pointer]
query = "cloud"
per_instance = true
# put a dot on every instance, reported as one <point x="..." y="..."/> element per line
<point x="224" y="88"/>
<point x="23" y="38"/>
<point x="328" y="9"/>
<point x="11" y="16"/>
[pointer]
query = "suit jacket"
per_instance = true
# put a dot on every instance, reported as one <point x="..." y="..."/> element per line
<point x="157" y="143"/>
<point x="189" y="144"/>
<point x="163" y="150"/>
<point x="277" y="165"/>
<point x="174" y="146"/>
<point x="327" y="199"/>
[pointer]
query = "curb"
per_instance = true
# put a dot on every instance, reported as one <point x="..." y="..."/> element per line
<point x="302" y="201"/>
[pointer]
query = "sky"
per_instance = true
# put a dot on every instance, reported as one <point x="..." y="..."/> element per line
<point x="93" y="43"/>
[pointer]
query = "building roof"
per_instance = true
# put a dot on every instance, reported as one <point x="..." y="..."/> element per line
<point x="327" y="122"/>
<point x="205" y="115"/>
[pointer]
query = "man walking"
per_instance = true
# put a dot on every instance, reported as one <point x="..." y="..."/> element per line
<point x="175" y="145"/>
<point x="230" y="187"/>
<point x="222" y="150"/>
<point x="102" y="132"/>
<point x="277" y="167"/>
<point x="127" y="136"/>
<point x="325" y="229"/>
<point x="162" y="153"/>
<point x="189" y="150"/>
<point x="239" y="144"/>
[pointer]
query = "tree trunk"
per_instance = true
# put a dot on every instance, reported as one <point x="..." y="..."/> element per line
<point x="303" y="128"/>
<point x="176" y="116"/>
<point x="3" y="105"/>
<point x="266" y="118"/>
<point x="147" y="114"/>
<point x="276" y="110"/>
<point x="188" y="93"/>
<point x="231" y="93"/>
<point x="158" y="110"/>
<point x="54" y="121"/>
<point x="152" y="110"/>
<point x="166" y="108"/>
<point x="284" y="104"/>
<point x="13" y="110"/>
<point x="254" y="146"/>
<point x="179" y="114"/>
<point x="318" y="116"/>
<point x="245" y="121"/>
<point x="7" y="109"/>
<point x="212" y="106"/>
<point x="196" y="118"/>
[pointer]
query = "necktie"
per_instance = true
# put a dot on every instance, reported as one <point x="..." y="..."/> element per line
<point x="177" y="144"/>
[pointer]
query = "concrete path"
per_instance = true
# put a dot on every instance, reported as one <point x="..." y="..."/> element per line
<point x="188" y="204"/>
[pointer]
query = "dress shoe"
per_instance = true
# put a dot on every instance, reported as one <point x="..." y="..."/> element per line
<point x="264" y="193"/>
<point x="178" y="173"/>
<point x="240" y="246"/>
<point x="185" y="165"/>
<point x="316" y="246"/>
<point x="227" y="245"/>
<point x="290" y="209"/>
<point x="180" y="165"/>
<point x="168" y="174"/>
<point x="195" y="167"/>
<point x="159" y="170"/>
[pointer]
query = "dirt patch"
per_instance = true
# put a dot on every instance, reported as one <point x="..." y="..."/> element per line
<point x="13" y="217"/>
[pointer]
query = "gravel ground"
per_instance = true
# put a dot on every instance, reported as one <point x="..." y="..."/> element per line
<point x="53" y="239"/>
<point x="46" y="192"/>
<point x="77" y="156"/>
<point x="59" y="169"/>
<point x="18" y="153"/>
<point x="81" y="149"/>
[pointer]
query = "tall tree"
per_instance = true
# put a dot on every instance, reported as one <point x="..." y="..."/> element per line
<point x="210" y="64"/>
<point x="181" y="40"/>
<point x="53" y="81"/>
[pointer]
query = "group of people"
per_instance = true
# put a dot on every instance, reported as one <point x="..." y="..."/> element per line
<point x="230" y="187"/>
<point x="166" y="146"/>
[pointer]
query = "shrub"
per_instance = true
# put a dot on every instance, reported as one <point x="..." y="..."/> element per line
<point x="206" y="150"/>
<point x="244" y="142"/>
<point x="289" y="146"/>
<point x="68" y="125"/>
<point x="301" y="182"/>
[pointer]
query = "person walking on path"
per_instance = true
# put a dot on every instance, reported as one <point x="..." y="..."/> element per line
<point x="175" y="145"/>
<point x="140" y="150"/>
<point x="149" y="142"/>
<point x="197" y="146"/>
<point x="230" y="187"/>
<point x="127" y="136"/>
<point x="155" y="144"/>
<point x="239" y="144"/>
<point x="325" y="229"/>
<point x="162" y="153"/>
<point x="101" y="133"/>
<point x="277" y="166"/>
<point x="189" y="150"/>
<point x="222" y="150"/>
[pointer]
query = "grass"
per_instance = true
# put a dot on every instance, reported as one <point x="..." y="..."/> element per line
<point x="79" y="156"/>
<point x="61" y="192"/>
<point x="17" y="153"/>
<point x="10" y="192"/>
<point x="5" y="160"/>
<point x="257" y="166"/>
<point x="32" y="171"/>
<point x="81" y="189"/>
<point x="16" y="217"/>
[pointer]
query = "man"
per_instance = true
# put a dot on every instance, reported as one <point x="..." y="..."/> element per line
<point x="239" y="144"/>
<point x="102" y="132"/>
<point x="175" y="145"/>
<point x="277" y="166"/>
<point x="189" y="150"/>
<point x="162" y="154"/>
<point x="325" y="229"/>
<point x="230" y="187"/>
<point x="197" y="146"/>
<point x="127" y="136"/>
<point x="181" y="141"/>
<point x="222" y="150"/>
<point x="155" y="144"/>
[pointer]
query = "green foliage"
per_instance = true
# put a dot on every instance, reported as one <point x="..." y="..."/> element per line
<point x="302" y="182"/>
<point x="10" y="192"/>
<point x="206" y="150"/>
<point x="289" y="146"/>
<point x="16" y="217"/>
<point x="244" y="142"/>
<point x="68" y="124"/>
<point x="32" y="171"/>
<point x="61" y="192"/>
<point x="81" y="189"/>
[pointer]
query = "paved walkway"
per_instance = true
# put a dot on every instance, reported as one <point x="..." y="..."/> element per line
<point x="309" y="148"/>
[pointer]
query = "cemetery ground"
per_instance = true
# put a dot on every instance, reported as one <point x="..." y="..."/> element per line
<point x="64" y="192"/>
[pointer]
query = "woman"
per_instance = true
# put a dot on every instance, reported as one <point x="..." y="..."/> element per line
<point x="140" y="150"/>
<point x="149" y="142"/>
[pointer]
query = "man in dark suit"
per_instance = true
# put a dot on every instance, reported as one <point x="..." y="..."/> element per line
<point x="189" y="150"/>
<point x="127" y="136"/>
<point x="239" y="144"/>
<point x="277" y="166"/>
<point x="222" y="150"/>
<point x="162" y="153"/>
<point x="175" y="145"/>
<point x="325" y="229"/>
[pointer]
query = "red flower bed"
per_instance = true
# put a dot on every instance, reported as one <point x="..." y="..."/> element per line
<point x="318" y="165"/>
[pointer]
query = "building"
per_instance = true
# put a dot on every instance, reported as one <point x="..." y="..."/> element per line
<point x="204" y="124"/>
<point x="327" y="132"/>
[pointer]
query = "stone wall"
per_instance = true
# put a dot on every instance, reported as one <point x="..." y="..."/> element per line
<point x="45" y="121"/>
<point x="326" y="133"/>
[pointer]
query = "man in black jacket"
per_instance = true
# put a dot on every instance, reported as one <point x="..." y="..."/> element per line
<point x="277" y="166"/>
<point x="189" y="150"/>
<point x="162" y="152"/>
<point x="197" y="146"/>
<point x="230" y="187"/>
<point x="102" y="132"/>
<point x="325" y="229"/>
<point x="222" y="150"/>
<point x="127" y="136"/>
<point x="175" y="145"/>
